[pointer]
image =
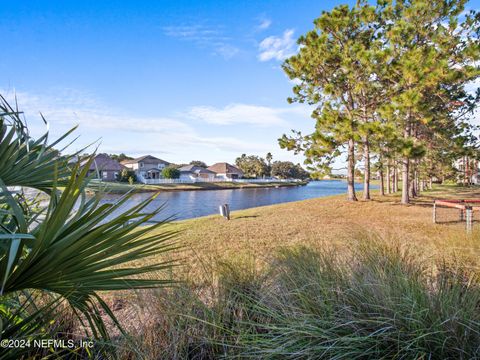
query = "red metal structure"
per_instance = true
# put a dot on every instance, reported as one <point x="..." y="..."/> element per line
<point x="466" y="207"/>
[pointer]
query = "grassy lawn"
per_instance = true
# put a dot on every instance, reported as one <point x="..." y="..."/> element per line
<point x="116" y="187"/>
<point x="321" y="276"/>
<point x="330" y="221"/>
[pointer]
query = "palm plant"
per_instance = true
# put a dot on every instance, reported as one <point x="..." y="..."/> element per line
<point x="67" y="251"/>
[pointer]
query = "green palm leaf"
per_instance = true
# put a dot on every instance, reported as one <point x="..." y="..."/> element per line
<point x="28" y="162"/>
<point x="78" y="252"/>
<point x="72" y="249"/>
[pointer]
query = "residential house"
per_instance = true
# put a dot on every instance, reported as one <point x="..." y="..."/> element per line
<point x="146" y="167"/>
<point x="468" y="171"/>
<point x="225" y="171"/>
<point x="196" y="173"/>
<point x="104" y="167"/>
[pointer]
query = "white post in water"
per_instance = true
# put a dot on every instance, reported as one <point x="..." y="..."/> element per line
<point x="469" y="212"/>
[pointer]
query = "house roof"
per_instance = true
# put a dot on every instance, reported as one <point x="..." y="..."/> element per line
<point x="225" y="168"/>
<point x="145" y="157"/>
<point x="105" y="162"/>
<point x="195" y="169"/>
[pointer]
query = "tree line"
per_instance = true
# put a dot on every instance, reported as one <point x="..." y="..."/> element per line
<point x="389" y="86"/>
<point x="254" y="166"/>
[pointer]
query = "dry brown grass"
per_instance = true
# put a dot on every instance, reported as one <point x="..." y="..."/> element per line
<point x="255" y="235"/>
<point x="325" y="222"/>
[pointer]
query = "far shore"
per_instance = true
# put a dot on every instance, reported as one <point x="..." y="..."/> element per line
<point x="121" y="188"/>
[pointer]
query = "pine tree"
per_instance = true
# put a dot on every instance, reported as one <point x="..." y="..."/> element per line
<point x="432" y="58"/>
<point x="388" y="82"/>
<point x="334" y="70"/>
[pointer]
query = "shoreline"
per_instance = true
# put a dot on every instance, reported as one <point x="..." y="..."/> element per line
<point x="121" y="188"/>
<point x="240" y="213"/>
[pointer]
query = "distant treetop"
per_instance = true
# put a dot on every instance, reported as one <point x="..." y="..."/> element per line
<point x="120" y="157"/>
<point x="198" y="163"/>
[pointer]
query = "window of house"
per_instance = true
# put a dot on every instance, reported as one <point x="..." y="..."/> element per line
<point x="160" y="166"/>
<point x="104" y="174"/>
<point x="116" y="175"/>
<point x="141" y="164"/>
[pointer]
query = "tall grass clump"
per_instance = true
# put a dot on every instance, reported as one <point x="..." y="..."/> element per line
<point x="192" y="321"/>
<point x="380" y="302"/>
<point x="377" y="302"/>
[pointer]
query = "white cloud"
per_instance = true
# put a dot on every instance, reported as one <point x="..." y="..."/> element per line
<point x="70" y="108"/>
<point x="195" y="32"/>
<point x="260" y="116"/>
<point x="205" y="36"/>
<point x="116" y="131"/>
<point x="264" y="24"/>
<point x="226" y="51"/>
<point x="278" y="48"/>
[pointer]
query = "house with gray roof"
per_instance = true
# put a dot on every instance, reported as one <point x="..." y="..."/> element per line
<point x="146" y="167"/>
<point x="103" y="167"/>
<point x="196" y="173"/>
<point x="226" y="171"/>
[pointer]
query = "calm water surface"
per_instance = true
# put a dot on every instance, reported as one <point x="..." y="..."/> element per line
<point x="190" y="204"/>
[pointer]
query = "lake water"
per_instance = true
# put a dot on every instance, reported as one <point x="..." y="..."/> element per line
<point x="190" y="204"/>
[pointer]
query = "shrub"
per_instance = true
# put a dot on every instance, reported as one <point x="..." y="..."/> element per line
<point x="170" y="173"/>
<point x="288" y="170"/>
<point x="126" y="175"/>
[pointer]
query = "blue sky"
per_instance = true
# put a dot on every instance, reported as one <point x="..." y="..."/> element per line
<point x="182" y="80"/>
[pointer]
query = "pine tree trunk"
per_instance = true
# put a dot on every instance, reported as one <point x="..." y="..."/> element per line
<point x="366" y="180"/>
<point x="388" y="177"/>
<point x="411" y="183"/>
<point x="406" y="169"/>
<point x="430" y="182"/>
<point x="405" y="180"/>
<point x="413" y="180"/>
<point x="382" y="183"/>
<point x="351" y="196"/>
<point x="395" y="174"/>
<point x="416" y="187"/>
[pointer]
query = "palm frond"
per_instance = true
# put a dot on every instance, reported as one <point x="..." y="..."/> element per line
<point x="73" y="248"/>
<point x="25" y="161"/>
